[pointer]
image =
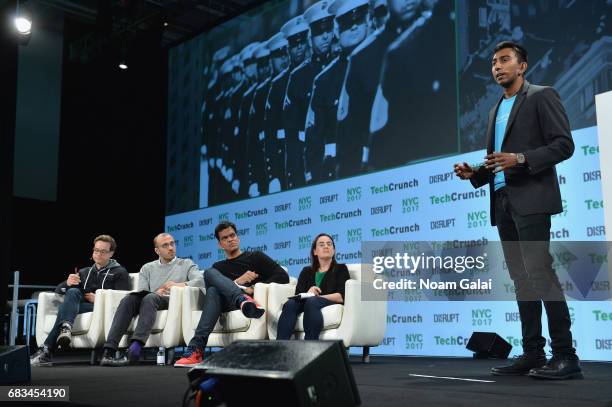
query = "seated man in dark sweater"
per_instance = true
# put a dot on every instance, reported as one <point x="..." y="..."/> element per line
<point x="229" y="286"/>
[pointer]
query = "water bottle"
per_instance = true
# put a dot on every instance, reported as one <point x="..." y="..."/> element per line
<point x="161" y="356"/>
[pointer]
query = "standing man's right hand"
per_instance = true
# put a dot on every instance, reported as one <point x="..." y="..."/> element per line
<point x="463" y="170"/>
<point x="74" y="279"/>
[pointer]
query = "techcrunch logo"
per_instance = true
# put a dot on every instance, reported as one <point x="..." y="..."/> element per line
<point x="294" y="262"/>
<point x="457" y="196"/>
<point x="179" y="226"/>
<point x="404" y="319"/>
<point x="394" y="230"/>
<point x="349" y="256"/>
<point x="602" y="315"/>
<point x="262" y="248"/>
<point x="394" y="186"/>
<point x="292" y="223"/>
<point x="451" y="340"/>
<point x="250" y="213"/>
<point x="340" y="215"/>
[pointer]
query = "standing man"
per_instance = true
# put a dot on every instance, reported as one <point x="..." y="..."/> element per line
<point x="352" y="19"/>
<point x="299" y="88"/>
<point x="79" y="292"/>
<point x="229" y="286"/>
<point x="528" y="134"/>
<point x="273" y="121"/>
<point x="154" y="282"/>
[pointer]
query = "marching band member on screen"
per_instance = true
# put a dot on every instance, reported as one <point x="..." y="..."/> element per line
<point x="154" y="282"/>
<point x="528" y="134"/>
<point x="79" y="292"/>
<point x="319" y="285"/>
<point x="229" y="286"/>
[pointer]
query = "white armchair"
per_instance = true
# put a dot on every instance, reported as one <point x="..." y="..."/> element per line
<point x="356" y="322"/>
<point x="88" y="327"/>
<point x="166" y="330"/>
<point x="232" y="326"/>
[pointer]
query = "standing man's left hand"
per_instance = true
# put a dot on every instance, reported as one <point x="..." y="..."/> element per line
<point x="90" y="297"/>
<point x="500" y="161"/>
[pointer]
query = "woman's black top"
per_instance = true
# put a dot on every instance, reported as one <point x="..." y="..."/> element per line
<point x="333" y="281"/>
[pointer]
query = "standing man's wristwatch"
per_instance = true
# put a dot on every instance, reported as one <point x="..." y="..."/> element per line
<point x="520" y="158"/>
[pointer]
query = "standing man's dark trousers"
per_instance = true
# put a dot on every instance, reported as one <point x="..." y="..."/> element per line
<point x="525" y="241"/>
<point x="144" y="305"/>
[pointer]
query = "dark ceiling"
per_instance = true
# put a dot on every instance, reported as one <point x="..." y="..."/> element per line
<point x="183" y="18"/>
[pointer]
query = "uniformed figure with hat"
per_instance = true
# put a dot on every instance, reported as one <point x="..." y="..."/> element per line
<point x="273" y="120"/>
<point x="249" y="63"/>
<point x="256" y="176"/>
<point x="299" y="87"/>
<point x="210" y="118"/>
<point x="380" y="14"/>
<point x="359" y="89"/>
<point x="351" y="17"/>
<point x="414" y="114"/>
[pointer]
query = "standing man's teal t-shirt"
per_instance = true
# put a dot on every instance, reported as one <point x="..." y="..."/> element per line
<point x="501" y="120"/>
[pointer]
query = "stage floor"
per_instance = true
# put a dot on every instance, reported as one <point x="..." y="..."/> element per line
<point x="385" y="381"/>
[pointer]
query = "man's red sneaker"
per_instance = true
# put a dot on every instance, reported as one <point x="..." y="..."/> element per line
<point x="191" y="358"/>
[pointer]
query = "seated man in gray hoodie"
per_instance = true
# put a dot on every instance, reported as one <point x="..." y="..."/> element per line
<point x="79" y="292"/>
<point x="154" y="282"/>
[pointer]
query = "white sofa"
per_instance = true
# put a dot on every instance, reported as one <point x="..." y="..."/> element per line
<point x="232" y="326"/>
<point x="356" y="322"/>
<point x="166" y="330"/>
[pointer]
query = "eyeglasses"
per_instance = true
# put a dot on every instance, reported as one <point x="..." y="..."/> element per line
<point x="357" y="16"/>
<point x="167" y="245"/>
<point x="324" y="244"/>
<point x="230" y="236"/>
<point x="101" y="251"/>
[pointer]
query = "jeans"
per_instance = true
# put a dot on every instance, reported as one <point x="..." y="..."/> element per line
<point x="222" y="295"/>
<point x="73" y="304"/>
<point x="535" y="281"/>
<point x="313" y="317"/>
<point x="144" y="305"/>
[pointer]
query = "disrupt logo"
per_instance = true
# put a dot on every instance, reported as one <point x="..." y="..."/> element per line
<point x="243" y="232"/>
<point x="353" y="235"/>
<point x="591" y="176"/>
<point x="282" y="207"/>
<point x="513" y="317"/>
<point x="451" y="340"/>
<point x="404" y="319"/>
<point x="446" y="318"/>
<point x="179" y="226"/>
<point x="482" y="317"/>
<point x="261" y="229"/>
<point x="188" y="241"/>
<point x="204" y="256"/>
<point x="304" y="241"/>
<point x="596" y="230"/>
<point x="394" y="186"/>
<point x="477" y="219"/>
<point x="304" y="203"/>
<point x="282" y="245"/>
<point x="223" y="216"/>
<point x="380" y="209"/>
<point x="410" y="204"/>
<point x="388" y="341"/>
<point x="602" y="315"/>
<point x="205" y="222"/>
<point x="414" y="341"/>
<point x="457" y="196"/>
<point x="353" y="194"/>
<point x="603" y="344"/>
<point x="328" y="199"/>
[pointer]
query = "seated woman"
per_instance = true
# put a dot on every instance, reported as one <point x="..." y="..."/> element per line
<point x="325" y="280"/>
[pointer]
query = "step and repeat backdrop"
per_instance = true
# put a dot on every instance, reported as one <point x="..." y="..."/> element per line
<point x="346" y="117"/>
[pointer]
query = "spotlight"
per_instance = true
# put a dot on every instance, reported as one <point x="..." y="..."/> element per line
<point x="23" y="25"/>
<point x="123" y="65"/>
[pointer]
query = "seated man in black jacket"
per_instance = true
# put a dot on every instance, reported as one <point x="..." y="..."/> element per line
<point x="324" y="284"/>
<point x="79" y="295"/>
<point x="229" y="286"/>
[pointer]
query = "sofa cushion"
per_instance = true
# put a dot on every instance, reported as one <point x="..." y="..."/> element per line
<point x="233" y="321"/>
<point x="81" y="325"/>
<point x="332" y="316"/>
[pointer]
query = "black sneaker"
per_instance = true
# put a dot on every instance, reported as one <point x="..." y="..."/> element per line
<point x="521" y="365"/>
<point x="65" y="336"/>
<point x="42" y="357"/>
<point x="109" y="359"/>
<point x="559" y="367"/>
<point x="250" y="308"/>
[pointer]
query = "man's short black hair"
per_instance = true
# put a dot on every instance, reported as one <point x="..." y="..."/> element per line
<point x="224" y="225"/>
<point x="519" y="50"/>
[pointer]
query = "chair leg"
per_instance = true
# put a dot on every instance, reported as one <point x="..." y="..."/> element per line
<point x="366" y="354"/>
<point x="93" y="358"/>
<point x="169" y="356"/>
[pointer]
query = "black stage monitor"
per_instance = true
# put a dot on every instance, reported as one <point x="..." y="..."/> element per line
<point x="14" y="365"/>
<point x="488" y="345"/>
